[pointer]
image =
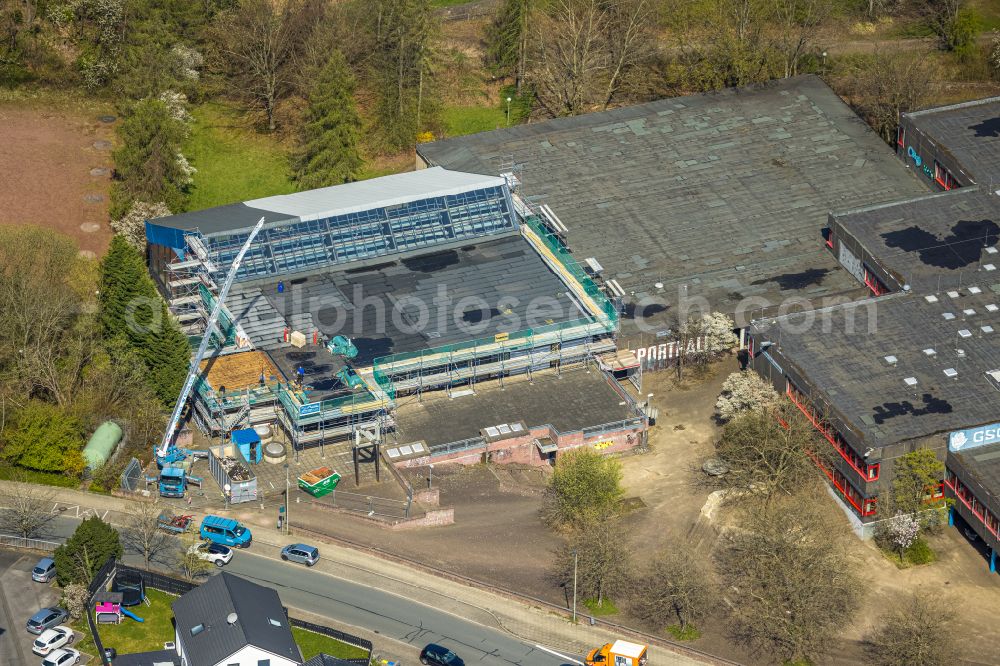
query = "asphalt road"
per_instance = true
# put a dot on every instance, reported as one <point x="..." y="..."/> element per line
<point x="395" y="617"/>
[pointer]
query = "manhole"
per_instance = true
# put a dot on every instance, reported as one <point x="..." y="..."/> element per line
<point x="93" y="198"/>
<point x="100" y="171"/>
<point x="87" y="254"/>
<point x="106" y="119"/>
<point x="102" y="145"/>
<point x="90" y="227"/>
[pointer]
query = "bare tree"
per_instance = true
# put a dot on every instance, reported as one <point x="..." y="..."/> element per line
<point x="142" y="533"/>
<point x="629" y="41"/>
<point x="27" y="509"/>
<point x="676" y="587"/>
<point x="602" y="568"/>
<point x="189" y="564"/>
<point x="799" y="22"/>
<point x="568" y="61"/>
<point x="789" y="576"/>
<point x="770" y="452"/>
<point x="260" y="42"/>
<point x="889" y="84"/>
<point x="920" y="631"/>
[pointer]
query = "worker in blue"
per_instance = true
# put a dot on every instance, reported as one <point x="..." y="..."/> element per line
<point x="301" y="374"/>
<point x="281" y="287"/>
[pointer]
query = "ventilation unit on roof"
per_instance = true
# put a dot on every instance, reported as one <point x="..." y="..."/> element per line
<point x="960" y="353"/>
<point x="965" y="333"/>
<point x="947" y="315"/>
<point x="890" y="359"/>
<point x="950" y="372"/>
<point x="910" y="381"/>
<point x="975" y="290"/>
<point x="992" y="307"/>
<point x="231" y="618"/>
<point x="968" y="312"/>
<point x="931" y="299"/>
<point x="986" y="329"/>
<point x="930" y="351"/>
<point x="953" y="294"/>
<point x="989" y="267"/>
<point x="991" y="250"/>
<point x="994" y="378"/>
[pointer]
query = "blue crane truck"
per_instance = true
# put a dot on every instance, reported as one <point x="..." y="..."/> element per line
<point x="173" y="481"/>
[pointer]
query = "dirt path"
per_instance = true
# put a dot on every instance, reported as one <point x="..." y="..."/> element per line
<point x="56" y="167"/>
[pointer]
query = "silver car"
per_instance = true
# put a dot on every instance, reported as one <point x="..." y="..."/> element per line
<point x="300" y="552"/>
<point x="44" y="571"/>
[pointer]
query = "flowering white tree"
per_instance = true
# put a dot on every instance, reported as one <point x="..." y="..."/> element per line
<point x="742" y="392"/>
<point x="718" y="331"/>
<point x="901" y="531"/>
<point x="132" y="225"/>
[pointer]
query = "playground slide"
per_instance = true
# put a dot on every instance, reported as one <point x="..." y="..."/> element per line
<point x="127" y="613"/>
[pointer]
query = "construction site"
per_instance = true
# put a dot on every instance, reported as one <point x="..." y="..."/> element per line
<point x="329" y="322"/>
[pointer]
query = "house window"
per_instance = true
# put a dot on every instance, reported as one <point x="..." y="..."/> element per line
<point x="874" y="284"/>
<point x="900" y="136"/>
<point x="943" y="177"/>
<point x="264" y="662"/>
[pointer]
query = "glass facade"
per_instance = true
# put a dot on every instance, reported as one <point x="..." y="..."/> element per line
<point x="368" y="234"/>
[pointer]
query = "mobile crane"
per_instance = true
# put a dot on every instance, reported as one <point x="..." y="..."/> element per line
<point x="173" y="477"/>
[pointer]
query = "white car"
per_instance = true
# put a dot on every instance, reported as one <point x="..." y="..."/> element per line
<point x="215" y="553"/>
<point x="62" y="657"/>
<point x="52" y="639"/>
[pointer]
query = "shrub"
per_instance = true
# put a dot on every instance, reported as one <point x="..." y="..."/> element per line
<point x="920" y="553"/>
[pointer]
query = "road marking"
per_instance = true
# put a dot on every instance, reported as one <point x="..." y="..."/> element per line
<point x="78" y="511"/>
<point x="561" y="656"/>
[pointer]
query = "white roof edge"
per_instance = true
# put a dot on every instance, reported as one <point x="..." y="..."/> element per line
<point x="364" y="195"/>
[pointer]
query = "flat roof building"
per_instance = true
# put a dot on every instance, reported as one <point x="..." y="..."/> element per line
<point x="721" y="196"/>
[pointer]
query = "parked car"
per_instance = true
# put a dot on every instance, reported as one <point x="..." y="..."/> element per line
<point x="110" y="653"/>
<point x="215" y="553"/>
<point x="62" y="657"/>
<point x="225" y="531"/>
<point x="439" y="656"/>
<point x="300" y="552"/>
<point x="46" y="619"/>
<point x="52" y="639"/>
<point x="44" y="571"/>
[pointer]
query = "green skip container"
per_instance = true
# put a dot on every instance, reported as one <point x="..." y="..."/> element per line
<point x="320" y="481"/>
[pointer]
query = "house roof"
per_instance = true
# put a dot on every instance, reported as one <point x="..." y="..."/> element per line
<point x="260" y="620"/>
<point x="970" y="131"/>
<point x="724" y="194"/>
<point x="933" y="242"/>
<point x="326" y="202"/>
<point x="862" y="359"/>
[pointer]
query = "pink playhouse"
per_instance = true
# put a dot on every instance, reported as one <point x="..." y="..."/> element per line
<point x="108" y="609"/>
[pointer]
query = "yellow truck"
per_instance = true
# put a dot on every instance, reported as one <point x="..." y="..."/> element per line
<point x="619" y="653"/>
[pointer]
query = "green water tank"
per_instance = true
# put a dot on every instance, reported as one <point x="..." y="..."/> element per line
<point x="102" y="444"/>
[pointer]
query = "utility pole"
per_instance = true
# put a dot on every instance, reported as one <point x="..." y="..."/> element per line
<point x="574" y="585"/>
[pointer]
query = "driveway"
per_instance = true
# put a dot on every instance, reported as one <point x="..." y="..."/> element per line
<point x="21" y="597"/>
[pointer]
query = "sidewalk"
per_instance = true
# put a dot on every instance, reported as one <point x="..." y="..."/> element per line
<point x="532" y="624"/>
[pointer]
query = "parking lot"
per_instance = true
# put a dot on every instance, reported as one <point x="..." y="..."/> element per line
<point x="21" y="597"/>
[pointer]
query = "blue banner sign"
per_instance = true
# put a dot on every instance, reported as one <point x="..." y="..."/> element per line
<point x="312" y="408"/>
<point x="960" y="440"/>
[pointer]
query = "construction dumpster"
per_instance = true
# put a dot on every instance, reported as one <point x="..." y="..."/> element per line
<point x="229" y="467"/>
<point x="320" y="481"/>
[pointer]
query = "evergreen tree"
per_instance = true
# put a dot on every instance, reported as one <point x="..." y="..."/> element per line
<point x="329" y="137"/>
<point x="507" y="40"/>
<point x="82" y="556"/>
<point x="148" y="164"/>
<point x="132" y="309"/>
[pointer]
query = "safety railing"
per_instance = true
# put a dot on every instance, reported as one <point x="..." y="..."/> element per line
<point x="13" y="541"/>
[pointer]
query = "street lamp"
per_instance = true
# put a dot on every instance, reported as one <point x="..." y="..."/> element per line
<point x="508" y="111"/>
<point x="287" y="488"/>
<point x="824" y="61"/>
<point x="574" y="585"/>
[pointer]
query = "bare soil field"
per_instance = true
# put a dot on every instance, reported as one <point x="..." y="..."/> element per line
<point x="56" y="166"/>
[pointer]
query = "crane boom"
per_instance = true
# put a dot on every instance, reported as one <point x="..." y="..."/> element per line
<point x="193" y="372"/>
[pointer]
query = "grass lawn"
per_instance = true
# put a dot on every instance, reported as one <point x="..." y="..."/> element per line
<point x="688" y="633"/>
<point x="606" y="608"/>
<point x="460" y="120"/>
<point x="449" y="3"/>
<point x="131" y="636"/>
<point x="311" y="644"/>
<point x="234" y="162"/>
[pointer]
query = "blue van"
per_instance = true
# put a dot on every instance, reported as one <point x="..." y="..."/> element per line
<point x="226" y="531"/>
